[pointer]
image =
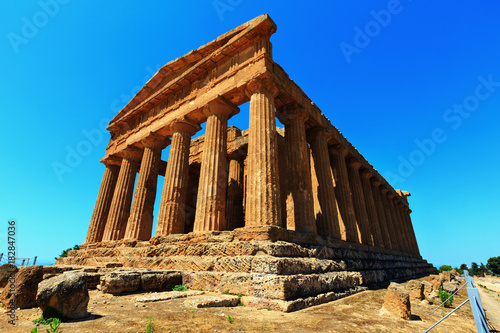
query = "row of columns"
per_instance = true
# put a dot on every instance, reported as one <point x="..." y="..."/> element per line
<point x="354" y="205"/>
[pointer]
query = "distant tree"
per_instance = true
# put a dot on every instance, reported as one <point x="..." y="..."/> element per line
<point x="493" y="264"/>
<point x="474" y="269"/>
<point x="464" y="267"/>
<point x="445" y="268"/>
<point x="459" y="271"/>
<point x="65" y="252"/>
<point x="482" y="269"/>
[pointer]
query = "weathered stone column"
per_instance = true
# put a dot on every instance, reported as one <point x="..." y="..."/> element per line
<point x="384" y="227"/>
<point x="122" y="198"/>
<point x="235" y="217"/>
<point x="172" y="214"/>
<point x="371" y="209"/>
<point x="412" y="231"/>
<point x="300" y="203"/>
<point x="348" y="230"/>
<point x="395" y="223"/>
<point x="403" y="225"/>
<point x="263" y="194"/>
<point x="359" y="202"/>
<point x="211" y="202"/>
<point x="140" y="222"/>
<point x="388" y="217"/>
<point x="328" y="219"/>
<point x="103" y="203"/>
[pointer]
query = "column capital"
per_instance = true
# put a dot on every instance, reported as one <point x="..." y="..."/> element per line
<point x="365" y="173"/>
<point x="292" y="111"/>
<point x="354" y="163"/>
<point x="220" y="105"/>
<point x="261" y="84"/>
<point x="154" y="140"/>
<point x="376" y="182"/>
<point x="338" y="150"/>
<point x="384" y="190"/>
<point x="131" y="152"/>
<point x="390" y="195"/>
<point x="184" y="126"/>
<point x="111" y="160"/>
<point x="318" y="133"/>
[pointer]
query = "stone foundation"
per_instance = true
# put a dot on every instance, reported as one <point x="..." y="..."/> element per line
<point x="266" y="262"/>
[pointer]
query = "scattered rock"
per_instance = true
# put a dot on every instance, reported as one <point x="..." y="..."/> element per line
<point x="66" y="293"/>
<point x="416" y="290"/>
<point x="449" y="287"/>
<point x="27" y="279"/>
<point x="160" y="280"/>
<point x="445" y="276"/>
<point x="431" y="299"/>
<point x="427" y="287"/>
<point x="436" y="281"/>
<point x="167" y="295"/>
<point x="120" y="281"/>
<point x="425" y="302"/>
<point x="397" y="301"/>
<point x="6" y="270"/>
<point x="213" y="301"/>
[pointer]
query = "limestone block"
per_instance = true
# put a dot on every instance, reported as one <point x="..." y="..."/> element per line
<point x="120" y="281"/>
<point x="397" y="301"/>
<point x="416" y="290"/>
<point x="213" y="301"/>
<point x="427" y="287"/>
<point x="27" y="280"/>
<point x="6" y="270"/>
<point x="449" y="287"/>
<point x="436" y="281"/>
<point x="66" y="293"/>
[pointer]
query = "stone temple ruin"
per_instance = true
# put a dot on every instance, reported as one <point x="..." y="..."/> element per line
<point x="296" y="215"/>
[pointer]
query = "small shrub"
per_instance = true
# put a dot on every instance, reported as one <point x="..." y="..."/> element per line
<point x="225" y="292"/>
<point x="180" y="287"/>
<point x="445" y="268"/>
<point x="269" y="308"/>
<point x="230" y="319"/>
<point x="64" y="253"/>
<point x="150" y="328"/>
<point x="443" y="295"/>
<point x="54" y="326"/>
<point x="34" y="330"/>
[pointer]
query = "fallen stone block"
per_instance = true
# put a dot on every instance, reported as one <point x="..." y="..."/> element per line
<point x="213" y="301"/>
<point x="397" y="301"/>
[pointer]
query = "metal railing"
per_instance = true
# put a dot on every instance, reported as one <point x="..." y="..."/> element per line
<point x="475" y="303"/>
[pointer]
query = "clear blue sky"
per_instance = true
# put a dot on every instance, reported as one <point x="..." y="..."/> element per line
<point x="416" y="91"/>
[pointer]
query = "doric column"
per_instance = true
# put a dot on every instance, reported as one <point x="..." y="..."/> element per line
<point x="328" y="217"/>
<point x="388" y="217"/>
<point x="300" y="203"/>
<point x="263" y="194"/>
<point x="412" y="232"/>
<point x="234" y="209"/>
<point x="359" y="202"/>
<point x="384" y="227"/>
<point x="211" y="202"/>
<point x="402" y="225"/>
<point x="371" y="209"/>
<point x="103" y="202"/>
<point x="396" y="224"/>
<point x="140" y="222"/>
<point x="172" y="214"/>
<point x="122" y="198"/>
<point x="347" y="219"/>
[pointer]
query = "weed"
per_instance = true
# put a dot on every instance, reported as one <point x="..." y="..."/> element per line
<point x="150" y="328"/>
<point x="180" y="287"/>
<point x="443" y="295"/>
<point x="230" y="319"/>
<point x="268" y="308"/>
<point x="34" y="330"/>
<point x="225" y="292"/>
<point x="346" y="303"/>
<point x="193" y="313"/>
<point x="54" y="325"/>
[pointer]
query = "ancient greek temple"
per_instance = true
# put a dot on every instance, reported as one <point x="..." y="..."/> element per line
<point x="298" y="209"/>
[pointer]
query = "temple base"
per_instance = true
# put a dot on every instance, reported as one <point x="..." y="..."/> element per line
<point x="286" y="269"/>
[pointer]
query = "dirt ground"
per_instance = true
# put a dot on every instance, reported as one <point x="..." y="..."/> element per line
<point x="356" y="313"/>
